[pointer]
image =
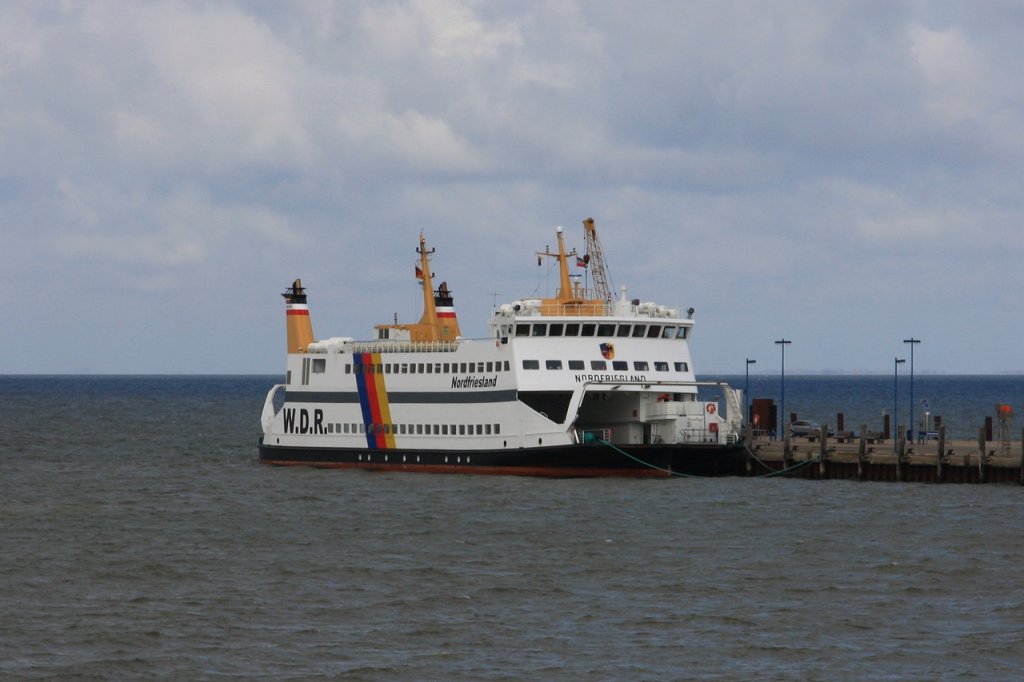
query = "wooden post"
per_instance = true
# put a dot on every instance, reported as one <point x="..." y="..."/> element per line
<point x="885" y="428"/>
<point x="981" y="455"/>
<point x="840" y="422"/>
<point x="748" y="438"/>
<point x="1022" y="457"/>
<point x="862" y="452"/>
<point x="787" y="452"/>
<point x="939" y="473"/>
<point x="823" y="438"/>
<point x="901" y="449"/>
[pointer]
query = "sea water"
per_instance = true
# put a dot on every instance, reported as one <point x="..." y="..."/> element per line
<point x="141" y="539"/>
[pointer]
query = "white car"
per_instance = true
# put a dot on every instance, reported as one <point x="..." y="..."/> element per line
<point x="806" y="428"/>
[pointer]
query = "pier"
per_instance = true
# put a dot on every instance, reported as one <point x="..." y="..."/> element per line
<point x="867" y="456"/>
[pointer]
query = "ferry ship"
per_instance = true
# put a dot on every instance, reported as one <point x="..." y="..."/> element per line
<point x="580" y="384"/>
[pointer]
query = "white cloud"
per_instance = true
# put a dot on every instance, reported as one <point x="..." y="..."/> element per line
<point x="818" y="152"/>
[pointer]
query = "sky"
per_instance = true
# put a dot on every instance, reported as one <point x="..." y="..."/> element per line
<point x="843" y="175"/>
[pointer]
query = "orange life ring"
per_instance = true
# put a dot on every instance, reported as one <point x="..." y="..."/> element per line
<point x="711" y="408"/>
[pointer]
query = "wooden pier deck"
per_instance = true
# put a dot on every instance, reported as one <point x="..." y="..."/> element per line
<point x="870" y="458"/>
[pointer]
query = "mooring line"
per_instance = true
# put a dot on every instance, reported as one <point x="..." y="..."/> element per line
<point x="682" y="475"/>
<point x="648" y="464"/>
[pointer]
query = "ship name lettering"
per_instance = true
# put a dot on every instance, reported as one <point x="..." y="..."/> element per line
<point x="611" y="378"/>
<point x="475" y="382"/>
<point x="304" y="426"/>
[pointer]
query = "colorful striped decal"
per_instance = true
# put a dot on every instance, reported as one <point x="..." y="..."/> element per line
<point x="373" y="400"/>
<point x="444" y="311"/>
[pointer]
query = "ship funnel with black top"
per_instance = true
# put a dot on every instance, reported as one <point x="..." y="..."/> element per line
<point x="300" y="329"/>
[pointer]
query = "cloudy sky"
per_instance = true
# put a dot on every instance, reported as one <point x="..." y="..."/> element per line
<point x="842" y="174"/>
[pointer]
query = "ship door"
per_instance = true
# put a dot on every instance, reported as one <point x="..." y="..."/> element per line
<point x="647" y="433"/>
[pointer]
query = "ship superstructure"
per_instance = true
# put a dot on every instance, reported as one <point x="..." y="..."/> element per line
<point x="576" y="384"/>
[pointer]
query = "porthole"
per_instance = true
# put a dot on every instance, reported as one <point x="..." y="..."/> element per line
<point x="467" y="459"/>
<point x="360" y="458"/>
<point x="446" y="459"/>
<point x="403" y="458"/>
<point x="385" y="458"/>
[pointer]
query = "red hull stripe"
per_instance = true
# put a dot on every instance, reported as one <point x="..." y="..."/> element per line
<point x="297" y="312"/>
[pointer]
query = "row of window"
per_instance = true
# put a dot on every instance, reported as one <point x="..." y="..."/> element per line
<point x="602" y="365"/>
<point x="636" y="331"/>
<point x="416" y="429"/>
<point x="429" y="367"/>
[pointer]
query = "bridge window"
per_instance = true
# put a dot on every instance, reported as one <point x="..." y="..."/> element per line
<point x="555" y="329"/>
<point x="623" y="330"/>
<point x="588" y="329"/>
<point x="522" y="330"/>
<point x="553" y="364"/>
<point x="682" y="367"/>
<point x="668" y="333"/>
<point x="654" y="331"/>
<point x="620" y="365"/>
<point x="540" y="330"/>
<point x="639" y="330"/>
<point x="531" y="364"/>
<point x="576" y="364"/>
<point x="600" y="365"/>
<point x="682" y="333"/>
<point x="572" y="329"/>
<point x="640" y="366"/>
<point x="661" y="366"/>
<point x="606" y="330"/>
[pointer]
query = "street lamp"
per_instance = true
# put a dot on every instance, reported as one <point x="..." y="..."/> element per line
<point x="895" y="399"/>
<point x="746" y="392"/>
<point x="782" y="419"/>
<point x="913" y="342"/>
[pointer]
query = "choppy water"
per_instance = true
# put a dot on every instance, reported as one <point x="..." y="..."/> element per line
<point x="141" y="540"/>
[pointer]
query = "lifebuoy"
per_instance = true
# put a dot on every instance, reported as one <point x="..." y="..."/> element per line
<point x="711" y="408"/>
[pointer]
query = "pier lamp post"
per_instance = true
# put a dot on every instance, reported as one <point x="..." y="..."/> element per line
<point x="913" y="342"/>
<point x="746" y="392"/>
<point x="895" y="399"/>
<point x="782" y="418"/>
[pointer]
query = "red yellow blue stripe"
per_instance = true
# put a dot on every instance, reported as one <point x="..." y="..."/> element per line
<point x="373" y="401"/>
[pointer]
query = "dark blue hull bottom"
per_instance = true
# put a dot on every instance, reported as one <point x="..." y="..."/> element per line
<point x="590" y="460"/>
